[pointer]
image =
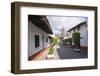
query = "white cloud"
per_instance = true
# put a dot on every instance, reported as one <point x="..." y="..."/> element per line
<point x="57" y="22"/>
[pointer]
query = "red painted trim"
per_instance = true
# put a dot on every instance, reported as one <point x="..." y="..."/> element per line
<point x="83" y="48"/>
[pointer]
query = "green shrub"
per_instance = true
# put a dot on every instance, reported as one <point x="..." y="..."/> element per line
<point x="76" y="38"/>
<point x="54" y="41"/>
<point x="70" y="40"/>
<point x="51" y="50"/>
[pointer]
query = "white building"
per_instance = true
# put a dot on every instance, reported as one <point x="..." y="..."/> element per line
<point x="38" y="30"/>
<point x="83" y="29"/>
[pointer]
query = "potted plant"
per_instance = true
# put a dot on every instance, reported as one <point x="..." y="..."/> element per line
<point x="76" y="41"/>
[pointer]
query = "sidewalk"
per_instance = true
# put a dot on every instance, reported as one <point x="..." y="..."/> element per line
<point x="55" y="52"/>
<point x="44" y="53"/>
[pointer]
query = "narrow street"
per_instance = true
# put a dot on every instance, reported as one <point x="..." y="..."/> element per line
<point x="65" y="52"/>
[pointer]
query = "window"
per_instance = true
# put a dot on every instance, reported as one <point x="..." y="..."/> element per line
<point x="37" y="41"/>
<point x="46" y="38"/>
<point x="78" y="28"/>
<point x="69" y="32"/>
<point x="74" y="30"/>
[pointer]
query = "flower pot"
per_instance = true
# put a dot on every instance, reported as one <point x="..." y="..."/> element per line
<point x="50" y="56"/>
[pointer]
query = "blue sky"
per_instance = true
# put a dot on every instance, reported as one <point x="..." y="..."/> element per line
<point x="57" y="22"/>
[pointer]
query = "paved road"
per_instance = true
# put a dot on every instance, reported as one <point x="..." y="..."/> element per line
<point x="68" y="53"/>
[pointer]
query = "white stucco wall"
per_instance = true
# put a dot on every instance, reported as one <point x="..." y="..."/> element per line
<point x="84" y="35"/>
<point x="32" y="30"/>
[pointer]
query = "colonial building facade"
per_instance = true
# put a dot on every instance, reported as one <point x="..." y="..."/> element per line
<point x="38" y="30"/>
<point x="82" y="28"/>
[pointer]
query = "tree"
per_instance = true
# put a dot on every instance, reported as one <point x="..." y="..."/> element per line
<point x="55" y="40"/>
